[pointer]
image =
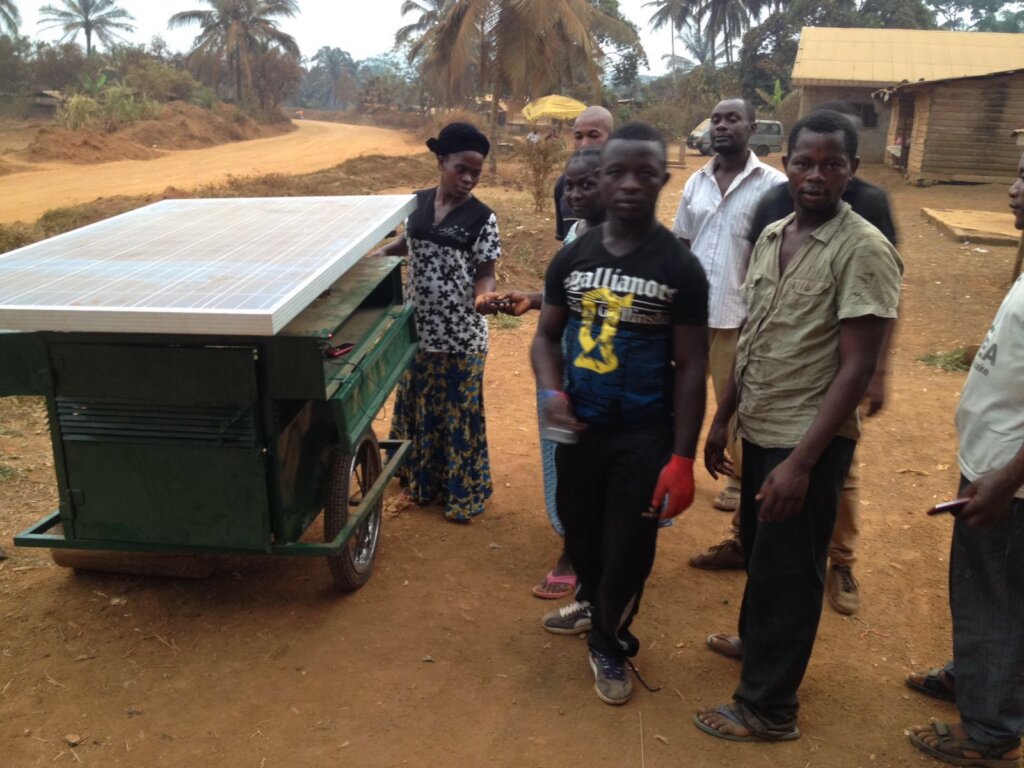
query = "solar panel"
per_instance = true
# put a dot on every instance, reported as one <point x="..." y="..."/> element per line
<point x="214" y="266"/>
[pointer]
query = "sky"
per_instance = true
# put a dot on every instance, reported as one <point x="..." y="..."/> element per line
<point x="364" y="28"/>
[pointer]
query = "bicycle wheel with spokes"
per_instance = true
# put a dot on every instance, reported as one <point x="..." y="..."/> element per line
<point x="351" y="476"/>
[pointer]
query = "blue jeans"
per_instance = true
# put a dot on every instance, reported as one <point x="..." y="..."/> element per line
<point x="986" y="597"/>
<point x="547" y="464"/>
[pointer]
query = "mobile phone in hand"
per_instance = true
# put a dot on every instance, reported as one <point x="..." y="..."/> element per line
<point x="953" y="507"/>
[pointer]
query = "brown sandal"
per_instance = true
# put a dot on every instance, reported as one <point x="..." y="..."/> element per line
<point x="738" y="717"/>
<point x="726" y="645"/>
<point x="933" y="682"/>
<point x="964" y="751"/>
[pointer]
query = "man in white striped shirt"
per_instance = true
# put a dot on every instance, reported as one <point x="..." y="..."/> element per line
<point x="713" y="221"/>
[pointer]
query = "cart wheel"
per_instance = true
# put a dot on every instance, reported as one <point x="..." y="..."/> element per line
<point x="351" y="477"/>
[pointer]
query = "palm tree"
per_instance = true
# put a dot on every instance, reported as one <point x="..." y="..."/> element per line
<point x="520" y="48"/>
<point x="333" y="68"/>
<point x="430" y="12"/>
<point x="703" y="51"/>
<point x="674" y="13"/>
<point x="729" y="19"/>
<point x="9" y="18"/>
<point x="93" y="17"/>
<point x="517" y="46"/>
<point x="239" y="31"/>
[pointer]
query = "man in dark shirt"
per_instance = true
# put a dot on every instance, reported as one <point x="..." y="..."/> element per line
<point x="866" y="199"/>
<point x="841" y="587"/>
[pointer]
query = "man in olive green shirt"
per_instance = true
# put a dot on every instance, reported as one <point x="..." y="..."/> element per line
<point x="822" y="287"/>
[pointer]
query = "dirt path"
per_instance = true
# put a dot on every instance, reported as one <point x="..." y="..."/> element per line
<point x="440" y="659"/>
<point x="315" y="145"/>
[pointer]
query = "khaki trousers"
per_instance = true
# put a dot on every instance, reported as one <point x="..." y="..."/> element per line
<point x="721" y="359"/>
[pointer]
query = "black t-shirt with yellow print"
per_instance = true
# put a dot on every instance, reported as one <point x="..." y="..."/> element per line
<point x="618" y="338"/>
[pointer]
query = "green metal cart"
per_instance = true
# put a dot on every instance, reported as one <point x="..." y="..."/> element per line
<point x="209" y="443"/>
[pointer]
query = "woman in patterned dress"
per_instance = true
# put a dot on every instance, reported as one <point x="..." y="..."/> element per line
<point x="452" y="242"/>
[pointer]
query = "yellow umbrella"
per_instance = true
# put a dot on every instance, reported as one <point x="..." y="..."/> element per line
<point x="557" y="107"/>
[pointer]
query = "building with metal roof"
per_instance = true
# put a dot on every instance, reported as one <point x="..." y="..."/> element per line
<point x="956" y="129"/>
<point x="849" y="65"/>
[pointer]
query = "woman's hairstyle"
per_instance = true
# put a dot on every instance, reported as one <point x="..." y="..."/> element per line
<point x="459" y="137"/>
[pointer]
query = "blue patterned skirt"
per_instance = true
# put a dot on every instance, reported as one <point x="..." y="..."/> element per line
<point x="440" y="407"/>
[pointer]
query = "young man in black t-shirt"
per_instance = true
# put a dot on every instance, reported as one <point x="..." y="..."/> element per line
<point x="631" y="302"/>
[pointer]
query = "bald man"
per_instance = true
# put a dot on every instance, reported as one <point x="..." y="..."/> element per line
<point x="591" y="129"/>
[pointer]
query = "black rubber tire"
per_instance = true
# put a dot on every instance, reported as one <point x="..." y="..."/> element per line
<point x="761" y="150"/>
<point x="351" y="475"/>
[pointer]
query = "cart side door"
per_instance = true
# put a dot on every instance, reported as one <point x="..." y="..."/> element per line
<point x="162" y="445"/>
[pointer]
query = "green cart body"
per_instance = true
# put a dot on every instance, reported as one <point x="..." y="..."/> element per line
<point x="224" y="444"/>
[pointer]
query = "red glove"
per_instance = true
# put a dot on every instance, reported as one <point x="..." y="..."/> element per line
<point x="675" y="487"/>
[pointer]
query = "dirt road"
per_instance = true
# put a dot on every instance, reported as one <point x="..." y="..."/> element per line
<point x="315" y="145"/>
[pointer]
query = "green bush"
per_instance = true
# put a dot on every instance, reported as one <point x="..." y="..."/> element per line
<point x="155" y="80"/>
<point x="12" y="237"/>
<point x="56" y="221"/>
<point x="955" y="360"/>
<point x="204" y="97"/>
<point x="122" y="105"/>
<point x="543" y="159"/>
<point x="79" y="111"/>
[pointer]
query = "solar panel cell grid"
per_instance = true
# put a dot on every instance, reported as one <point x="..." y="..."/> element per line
<point x="193" y="266"/>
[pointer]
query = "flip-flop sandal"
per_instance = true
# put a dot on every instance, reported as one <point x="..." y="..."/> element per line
<point x="544" y="591"/>
<point x="726" y="645"/>
<point x="950" y="749"/>
<point x="934" y="682"/>
<point x="727" y="500"/>
<point x="733" y="713"/>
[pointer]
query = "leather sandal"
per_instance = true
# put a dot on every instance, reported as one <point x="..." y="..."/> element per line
<point x="934" y="682"/>
<point x="964" y="751"/>
<point x="726" y="645"/>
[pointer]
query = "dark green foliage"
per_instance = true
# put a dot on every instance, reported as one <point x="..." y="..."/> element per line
<point x="955" y="360"/>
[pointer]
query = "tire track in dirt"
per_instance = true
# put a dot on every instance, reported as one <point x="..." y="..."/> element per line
<point x="314" y="146"/>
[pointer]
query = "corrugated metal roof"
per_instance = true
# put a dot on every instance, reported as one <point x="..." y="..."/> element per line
<point x="881" y="57"/>
<point x="885" y="93"/>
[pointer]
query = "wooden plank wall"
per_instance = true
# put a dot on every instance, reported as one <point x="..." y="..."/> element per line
<point x="968" y="130"/>
<point x="918" y="137"/>
<point x="890" y="135"/>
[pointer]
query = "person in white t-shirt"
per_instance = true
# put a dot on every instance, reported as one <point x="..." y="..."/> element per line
<point x="986" y="568"/>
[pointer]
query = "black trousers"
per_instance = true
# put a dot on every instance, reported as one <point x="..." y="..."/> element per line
<point x="605" y="484"/>
<point x="786" y="564"/>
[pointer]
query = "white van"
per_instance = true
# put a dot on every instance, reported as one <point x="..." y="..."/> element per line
<point x="693" y="140"/>
<point x="766" y="140"/>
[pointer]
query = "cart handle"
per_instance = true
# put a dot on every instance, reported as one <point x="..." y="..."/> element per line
<point x="398" y="449"/>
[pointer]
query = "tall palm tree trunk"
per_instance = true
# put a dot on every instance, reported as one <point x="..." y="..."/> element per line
<point x="493" y="156"/>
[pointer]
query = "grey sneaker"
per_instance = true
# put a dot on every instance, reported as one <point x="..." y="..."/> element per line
<point x="571" y="619"/>
<point x="842" y="589"/>
<point x="611" y="680"/>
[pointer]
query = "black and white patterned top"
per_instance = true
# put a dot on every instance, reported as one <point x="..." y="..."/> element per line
<point x="443" y="259"/>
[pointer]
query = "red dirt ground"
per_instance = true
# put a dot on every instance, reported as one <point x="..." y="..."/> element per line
<point x="440" y="658"/>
